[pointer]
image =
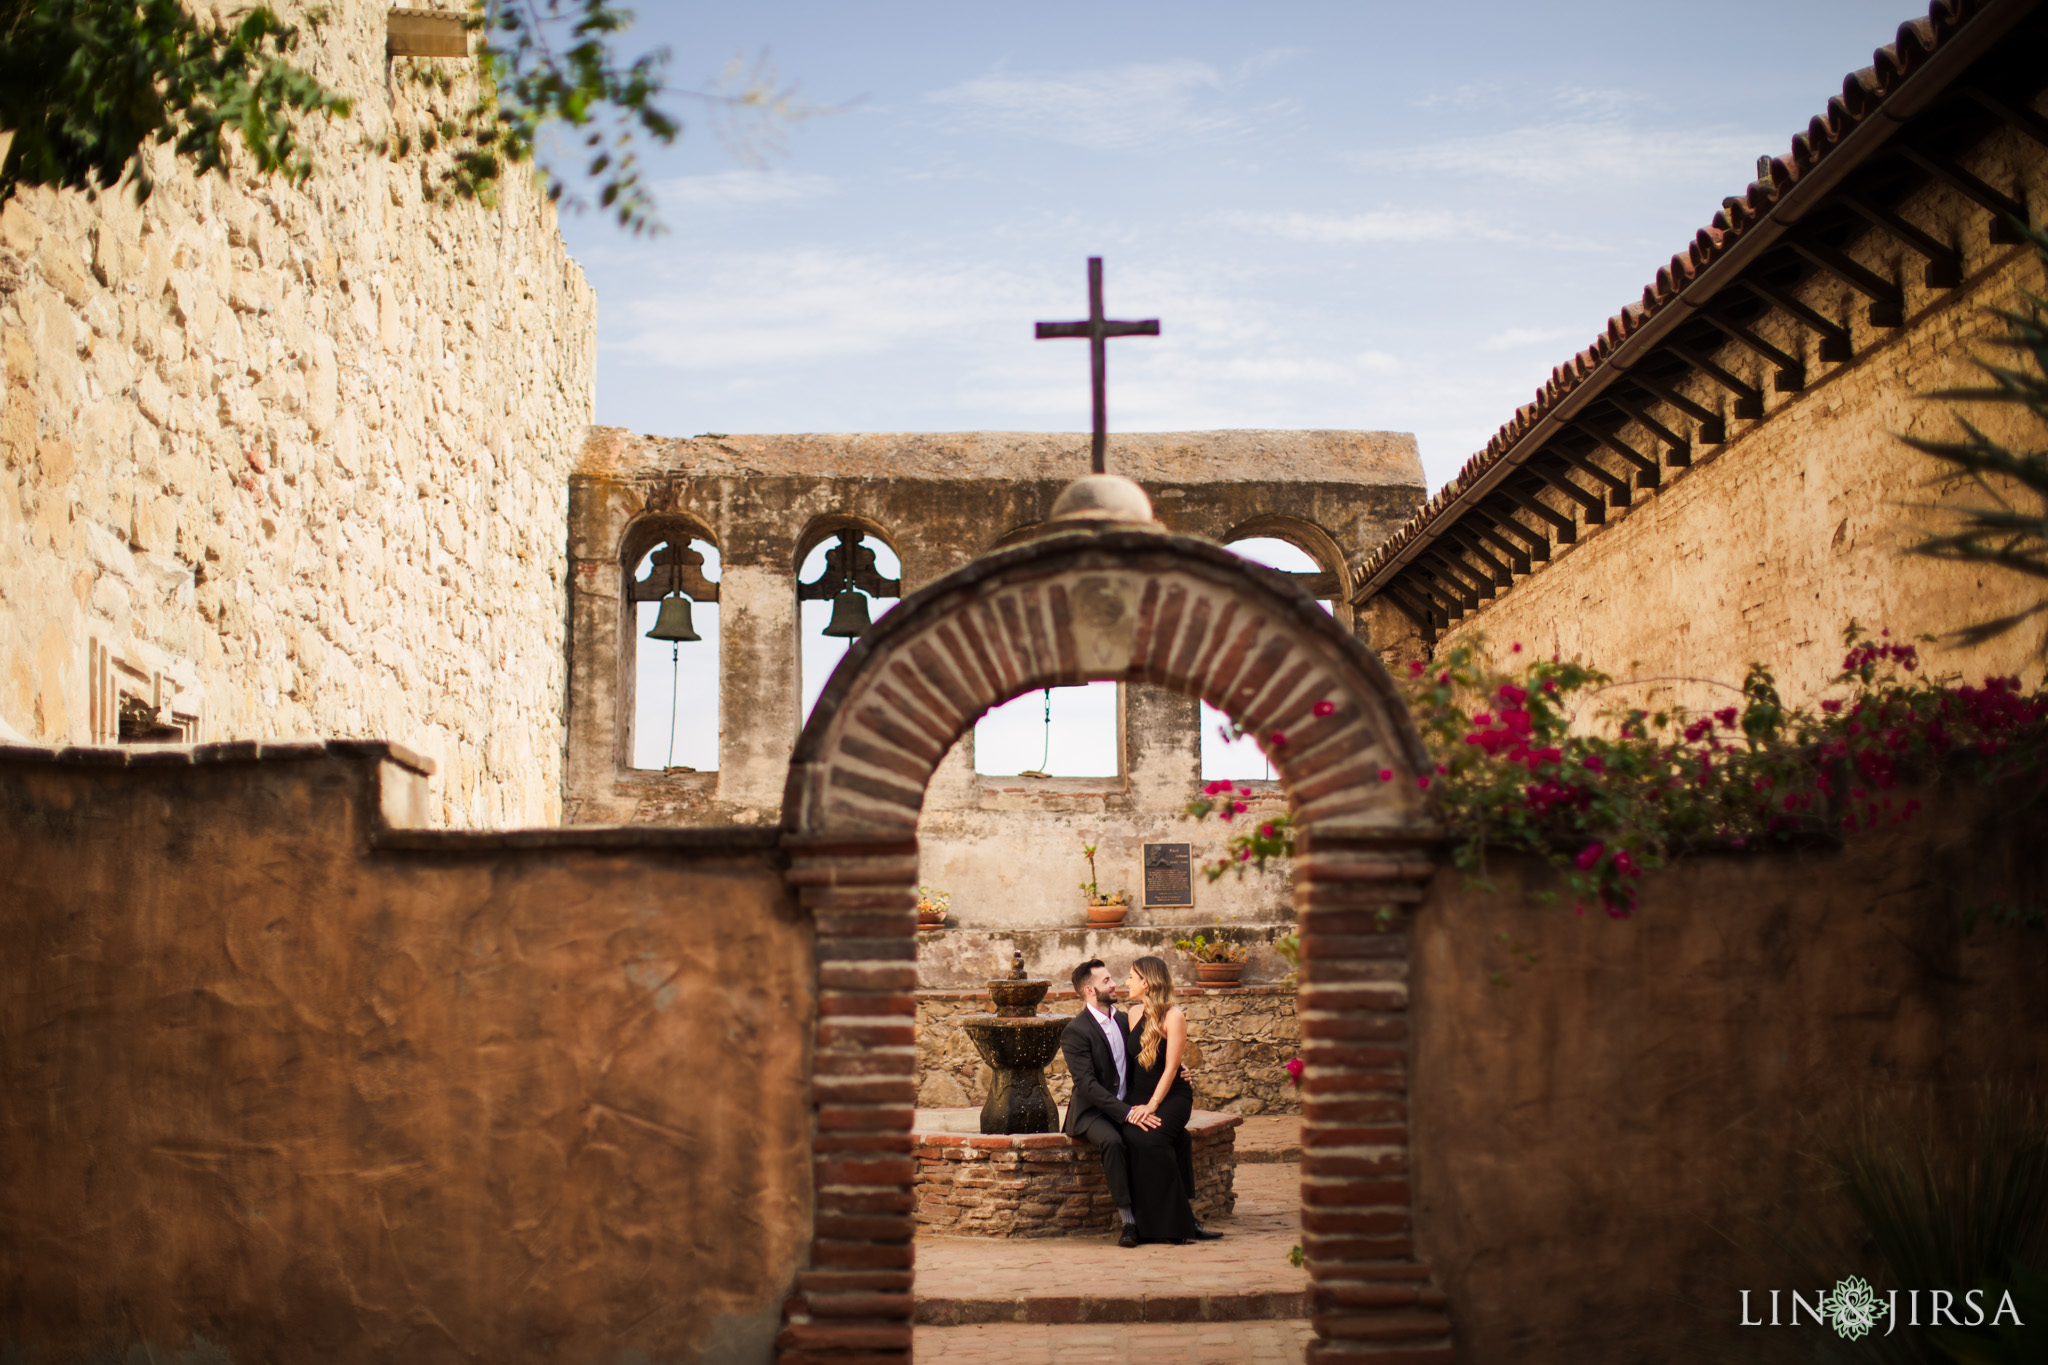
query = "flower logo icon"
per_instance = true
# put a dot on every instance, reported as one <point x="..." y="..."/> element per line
<point x="1852" y="1309"/>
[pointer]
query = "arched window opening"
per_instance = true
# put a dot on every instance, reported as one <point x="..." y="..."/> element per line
<point x="1057" y="732"/>
<point x="844" y="585"/>
<point x="674" y="595"/>
<point x="1241" y="758"/>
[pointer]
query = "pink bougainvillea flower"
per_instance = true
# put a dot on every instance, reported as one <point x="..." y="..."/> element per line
<point x="1831" y="707"/>
<point x="1244" y="791"/>
<point x="1278" y="739"/>
<point x="1386" y="774"/>
<point x="1266" y="831"/>
<point x="1726" y="715"/>
<point x="1518" y="647"/>
<point x="1423" y="783"/>
<point x="1326" y="708"/>
<point x="1415" y="667"/>
<point x="1295" y="1066"/>
<point x="1588" y="856"/>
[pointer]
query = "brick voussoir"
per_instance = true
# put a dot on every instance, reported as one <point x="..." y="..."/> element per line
<point x="865" y="1118"/>
<point x="845" y="1336"/>
<point x="1361" y="1027"/>
<point x="1360" y="1353"/>
<point x="1420" y="1325"/>
<point x="866" y="1199"/>
<point x="1353" y="1056"/>
<point x="840" y="1305"/>
<point x="883" y="977"/>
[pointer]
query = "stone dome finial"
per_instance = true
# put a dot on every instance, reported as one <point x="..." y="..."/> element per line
<point x="1102" y="500"/>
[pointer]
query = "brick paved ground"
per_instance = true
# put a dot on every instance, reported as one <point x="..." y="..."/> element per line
<point x="980" y="1279"/>
<point x="1166" y="1343"/>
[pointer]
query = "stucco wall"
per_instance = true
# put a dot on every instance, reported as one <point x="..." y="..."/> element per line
<point x="1768" y="546"/>
<point x="294" y="461"/>
<point x="1602" y="1109"/>
<point x="446" y="1096"/>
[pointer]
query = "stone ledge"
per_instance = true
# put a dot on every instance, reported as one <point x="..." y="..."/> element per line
<point x="231" y="751"/>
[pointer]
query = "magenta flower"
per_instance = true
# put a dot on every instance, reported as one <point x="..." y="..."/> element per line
<point x="1326" y="708"/>
<point x="1295" y="1066"/>
<point x="1386" y="774"/>
<point x="1588" y="856"/>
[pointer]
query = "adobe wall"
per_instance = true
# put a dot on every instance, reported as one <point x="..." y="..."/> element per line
<point x="293" y="462"/>
<point x="1768" y="546"/>
<point x="1007" y="848"/>
<point x="1602" y="1109"/>
<point x="310" y="1089"/>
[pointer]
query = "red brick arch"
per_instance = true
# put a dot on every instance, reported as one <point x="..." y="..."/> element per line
<point x="1136" y="606"/>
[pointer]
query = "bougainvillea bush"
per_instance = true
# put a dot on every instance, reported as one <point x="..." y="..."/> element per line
<point x="1529" y="757"/>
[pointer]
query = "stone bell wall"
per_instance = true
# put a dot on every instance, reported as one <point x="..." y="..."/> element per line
<point x="1246" y="1034"/>
<point x="289" y="461"/>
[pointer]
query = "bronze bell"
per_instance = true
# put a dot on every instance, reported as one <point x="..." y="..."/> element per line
<point x="673" y="622"/>
<point x="849" y="616"/>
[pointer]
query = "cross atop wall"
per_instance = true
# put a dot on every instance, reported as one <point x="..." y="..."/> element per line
<point x="1098" y="330"/>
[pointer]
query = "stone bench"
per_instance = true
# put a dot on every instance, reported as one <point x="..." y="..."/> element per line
<point x="1043" y="1184"/>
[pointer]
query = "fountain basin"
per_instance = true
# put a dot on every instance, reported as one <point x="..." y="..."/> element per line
<point x="1017" y="1050"/>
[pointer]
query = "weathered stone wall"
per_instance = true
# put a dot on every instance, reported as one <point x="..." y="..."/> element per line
<point x="1246" y="1035"/>
<point x="1047" y="1184"/>
<point x="311" y="1091"/>
<point x="1009" y="849"/>
<point x="1603" y="1110"/>
<point x="1767" y="547"/>
<point x="290" y="462"/>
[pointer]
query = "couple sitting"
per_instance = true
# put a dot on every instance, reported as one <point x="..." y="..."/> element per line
<point x="1132" y="1098"/>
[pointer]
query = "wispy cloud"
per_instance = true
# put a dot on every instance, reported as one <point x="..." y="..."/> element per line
<point x="1516" y="337"/>
<point x="1120" y="108"/>
<point x="1401" y="225"/>
<point x="741" y="189"/>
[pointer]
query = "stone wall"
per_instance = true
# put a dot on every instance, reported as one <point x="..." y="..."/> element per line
<point x="1008" y="848"/>
<point x="1768" y="546"/>
<point x="1612" y="1119"/>
<point x="279" y="1083"/>
<point x="282" y="461"/>
<point x="1246" y="1035"/>
<point x="1047" y="1184"/>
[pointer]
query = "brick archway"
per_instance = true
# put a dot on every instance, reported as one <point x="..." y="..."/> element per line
<point x="1137" y="606"/>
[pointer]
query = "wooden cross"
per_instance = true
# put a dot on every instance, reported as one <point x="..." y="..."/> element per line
<point x="1098" y="329"/>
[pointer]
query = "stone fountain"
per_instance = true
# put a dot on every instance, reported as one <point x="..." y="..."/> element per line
<point x="1017" y="1044"/>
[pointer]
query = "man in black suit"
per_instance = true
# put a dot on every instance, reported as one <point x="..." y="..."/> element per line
<point x="1097" y="1046"/>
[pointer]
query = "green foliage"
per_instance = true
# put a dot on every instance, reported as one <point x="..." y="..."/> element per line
<point x="88" y="86"/>
<point x="1203" y="949"/>
<point x="1250" y="845"/>
<point x="2010" y="529"/>
<point x="1095" y="894"/>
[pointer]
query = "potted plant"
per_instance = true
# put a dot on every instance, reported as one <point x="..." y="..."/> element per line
<point x="933" y="907"/>
<point x="1104" y="911"/>
<point x="1217" y="962"/>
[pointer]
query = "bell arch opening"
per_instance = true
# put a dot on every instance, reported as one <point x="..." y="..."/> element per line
<point x="670" y="669"/>
<point x="1120" y="606"/>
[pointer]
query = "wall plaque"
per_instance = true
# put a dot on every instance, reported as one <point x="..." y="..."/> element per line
<point x="1168" y="875"/>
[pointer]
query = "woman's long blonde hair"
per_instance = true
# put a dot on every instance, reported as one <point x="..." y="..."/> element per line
<point x="1158" y="1000"/>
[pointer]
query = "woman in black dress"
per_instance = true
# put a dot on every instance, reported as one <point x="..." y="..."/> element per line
<point x="1160" y="1029"/>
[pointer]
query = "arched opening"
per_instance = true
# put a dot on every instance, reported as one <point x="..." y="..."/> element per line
<point x="1115" y="606"/>
<point x="671" y="664"/>
<point x="1225" y="752"/>
<point x="848" y="576"/>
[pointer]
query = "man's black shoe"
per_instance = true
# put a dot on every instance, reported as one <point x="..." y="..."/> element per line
<point x="1203" y="1234"/>
<point x="1129" y="1238"/>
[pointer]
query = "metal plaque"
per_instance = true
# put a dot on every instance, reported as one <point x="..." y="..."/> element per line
<point x="1169" y="875"/>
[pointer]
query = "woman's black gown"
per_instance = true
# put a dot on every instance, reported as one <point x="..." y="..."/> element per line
<point x="1158" y="1200"/>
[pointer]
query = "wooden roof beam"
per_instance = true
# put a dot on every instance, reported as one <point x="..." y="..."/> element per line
<point x="1503" y="576"/>
<point x="1538" y="543"/>
<point x="1834" y="338"/>
<point x="1619" y="492"/>
<point x="1425" y="616"/>
<point x="1713" y="426"/>
<point x="1592" y="506"/>
<point x="1445" y="585"/>
<point x="1482" y="527"/>
<point x="1648" y="475"/>
<point x="1677" y="450"/>
<point x="1749" y="400"/>
<point x="1791" y="376"/>
<point x="1944" y="262"/>
<point x="1567" y="529"/>
<point x="1445" y="555"/>
<point x="2007" y="214"/>
<point x="1887" y="300"/>
<point x="2012" y="115"/>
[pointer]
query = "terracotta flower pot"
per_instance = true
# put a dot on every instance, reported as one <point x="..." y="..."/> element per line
<point x="1107" y="916"/>
<point x="1219" y="973"/>
<point x="931" y="919"/>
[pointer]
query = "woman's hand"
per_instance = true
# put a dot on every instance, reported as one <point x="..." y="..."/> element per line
<point x="1143" y="1116"/>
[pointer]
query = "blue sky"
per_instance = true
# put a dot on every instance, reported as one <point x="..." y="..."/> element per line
<point x="1346" y="215"/>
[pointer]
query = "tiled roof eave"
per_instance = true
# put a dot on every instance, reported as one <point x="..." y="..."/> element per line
<point x="1978" y="28"/>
